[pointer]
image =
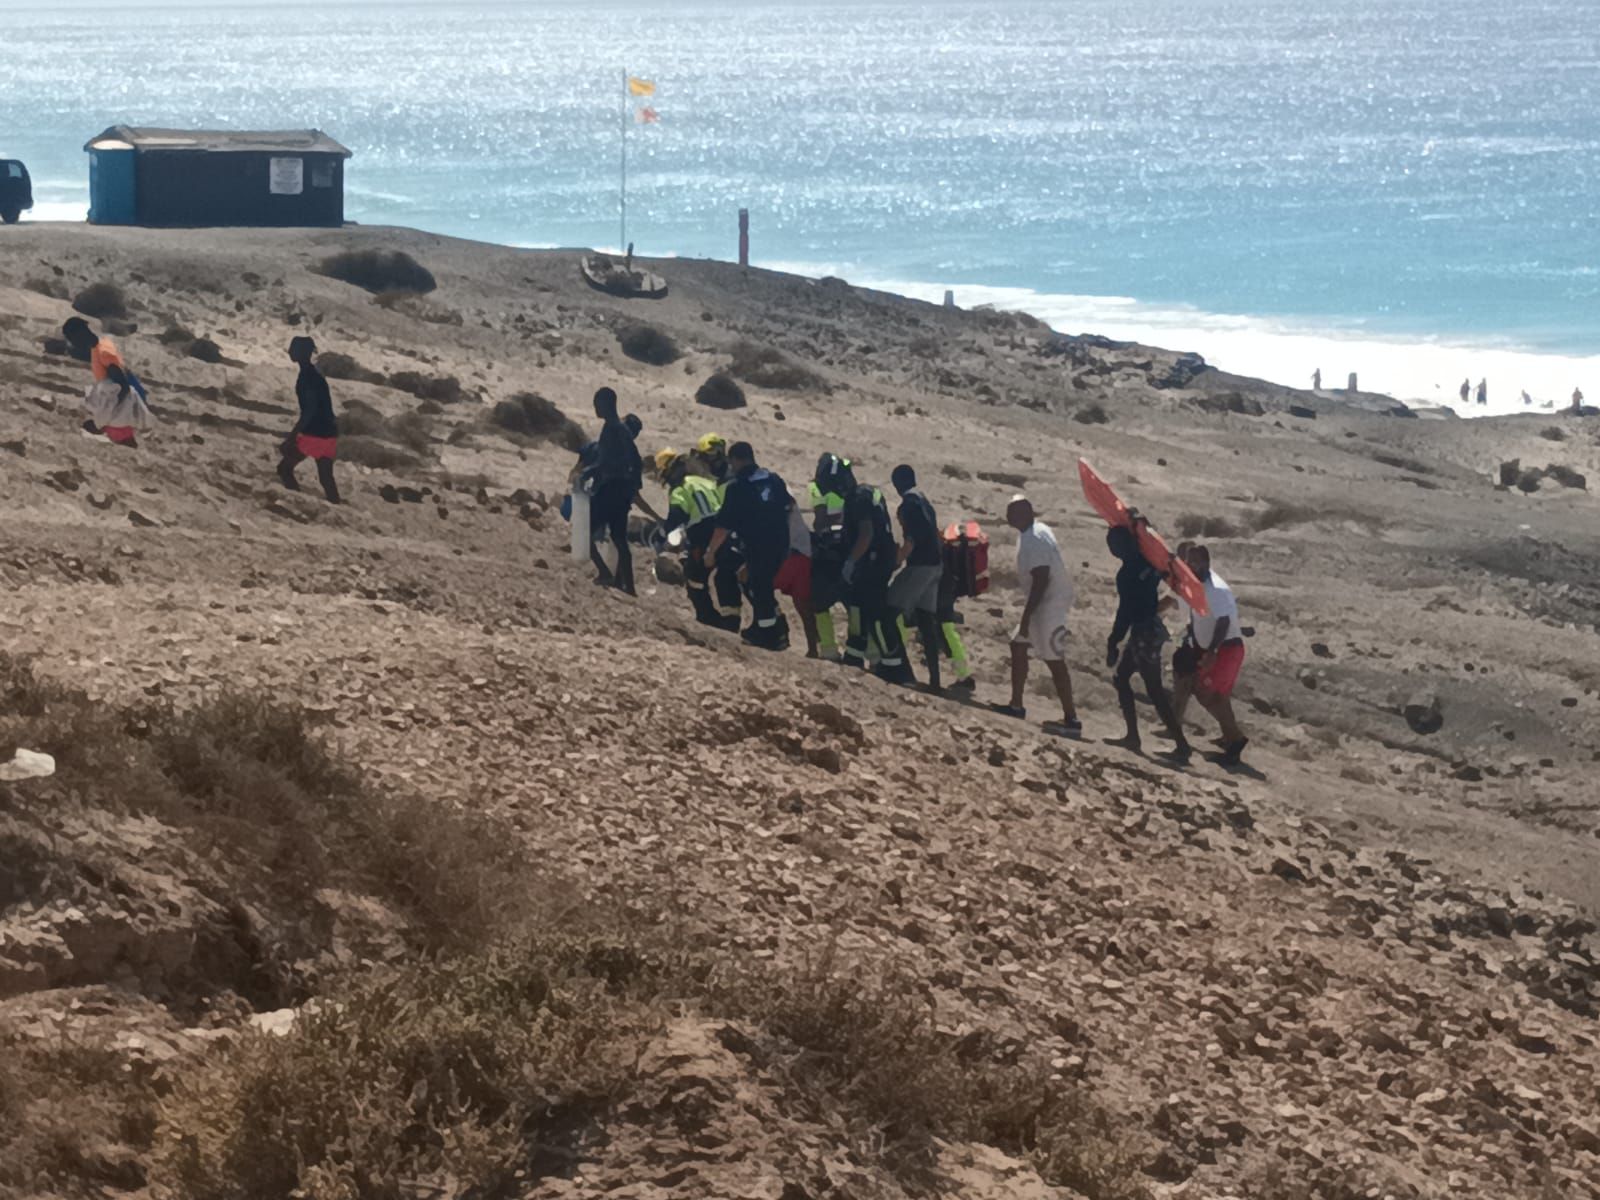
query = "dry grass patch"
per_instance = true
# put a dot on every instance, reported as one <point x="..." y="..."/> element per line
<point x="460" y="1072"/>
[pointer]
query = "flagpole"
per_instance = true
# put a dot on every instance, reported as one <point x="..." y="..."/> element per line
<point x="622" y="245"/>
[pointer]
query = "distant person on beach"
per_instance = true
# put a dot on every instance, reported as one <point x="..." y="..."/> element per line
<point x="116" y="403"/>
<point x="1483" y="391"/>
<point x="617" y="474"/>
<point x="316" y="433"/>
<point x="1316" y="380"/>
<point x="1577" y="399"/>
<point x="1527" y="400"/>
<point x="914" y="591"/>
<point x="1466" y="391"/>
<point x="1042" y="630"/>
<point x="1208" y="665"/>
<point x="755" y="508"/>
<point x="1138" y="620"/>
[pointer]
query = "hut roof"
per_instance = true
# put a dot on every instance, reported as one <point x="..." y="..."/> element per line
<point x="222" y="141"/>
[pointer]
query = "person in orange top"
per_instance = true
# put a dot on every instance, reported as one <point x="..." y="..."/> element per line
<point x="116" y="403"/>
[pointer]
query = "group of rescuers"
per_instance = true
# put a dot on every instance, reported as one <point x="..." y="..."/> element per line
<point x="744" y="535"/>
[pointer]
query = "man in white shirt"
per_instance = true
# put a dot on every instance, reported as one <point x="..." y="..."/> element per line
<point x="1042" y="631"/>
<point x="1217" y="655"/>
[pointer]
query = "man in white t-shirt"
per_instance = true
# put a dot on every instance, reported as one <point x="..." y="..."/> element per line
<point x="1215" y="657"/>
<point x="1042" y="631"/>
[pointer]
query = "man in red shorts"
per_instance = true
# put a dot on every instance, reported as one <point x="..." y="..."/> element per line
<point x="1220" y="648"/>
<point x="315" y="435"/>
<point x="794" y="577"/>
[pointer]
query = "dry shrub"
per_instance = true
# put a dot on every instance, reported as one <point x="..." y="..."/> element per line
<point x="54" y="289"/>
<point x="1553" y="433"/>
<point x="175" y="335"/>
<point x="530" y="416"/>
<point x="380" y="455"/>
<point x="411" y="305"/>
<point x="720" y="391"/>
<point x="646" y="344"/>
<point x="768" y="367"/>
<point x="444" y="389"/>
<point x="1192" y="525"/>
<point x="464" y="1071"/>
<point x="868" y="1048"/>
<point x="379" y="271"/>
<point x="101" y="300"/>
<point x="71" y="1114"/>
<point x="335" y="365"/>
<point x="247" y="776"/>
<point x="1091" y="414"/>
<point x="359" y="419"/>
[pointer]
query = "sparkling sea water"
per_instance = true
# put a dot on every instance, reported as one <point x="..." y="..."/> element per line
<point x="1405" y="188"/>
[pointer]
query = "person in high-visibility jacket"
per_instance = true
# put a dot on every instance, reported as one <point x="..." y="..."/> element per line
<point x="832" y="482"/>
<point x="693" y="502"/>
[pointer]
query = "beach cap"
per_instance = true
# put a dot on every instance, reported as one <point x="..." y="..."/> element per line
<point x="712" y="443"/>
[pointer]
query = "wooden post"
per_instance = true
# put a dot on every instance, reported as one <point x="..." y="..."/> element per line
<point x="744" y="237"/>
<point x="949" y="298"/>
<point x="1352" y="383"/>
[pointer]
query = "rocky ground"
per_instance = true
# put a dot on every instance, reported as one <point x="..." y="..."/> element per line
<point x="1364" y="965"/>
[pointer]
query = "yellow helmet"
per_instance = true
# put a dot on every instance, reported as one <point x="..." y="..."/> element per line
<point x="666" y="460"/>
<point x="712" y="443"/>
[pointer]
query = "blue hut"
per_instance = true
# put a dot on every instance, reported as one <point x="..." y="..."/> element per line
<point x="196" y="178"/>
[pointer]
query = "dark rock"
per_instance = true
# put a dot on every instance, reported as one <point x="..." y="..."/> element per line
<point x="143" y="522"/>
<point x="390" y="493"/>
<point x="1301" y="411"/>
<point x="1467" y="773"/>
<point x="1321" y="650"/>
<point x="1423" y="714"/>
<point x="205" y="350"/>
<point x="1510" y="472"/>
<point x="1181" y="373"/>
<point x="1287" y="871"/>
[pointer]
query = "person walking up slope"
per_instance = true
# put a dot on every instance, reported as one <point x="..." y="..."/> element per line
<point x="693" y="502"/>
<point x="1138" y="606"/>
<point x="914" y="592"/>
<point x="1042" y="630"/>
<point x="618" y="475"/>
<point x="315" y="434"/>
<point x="115" y="404"/>
<point x="1220" y="650"/>
<point x="755" y="509"/>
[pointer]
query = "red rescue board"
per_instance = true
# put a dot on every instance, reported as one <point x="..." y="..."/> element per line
<point x="1114" y="512"/>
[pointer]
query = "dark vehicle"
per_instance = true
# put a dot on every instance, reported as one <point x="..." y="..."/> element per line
<point x="16" y="190"/>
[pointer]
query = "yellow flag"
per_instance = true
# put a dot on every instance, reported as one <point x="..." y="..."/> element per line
<point x="640" y="87"/>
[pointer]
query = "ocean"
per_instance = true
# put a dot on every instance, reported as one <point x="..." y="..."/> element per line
<point x="1406" y="190"/>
